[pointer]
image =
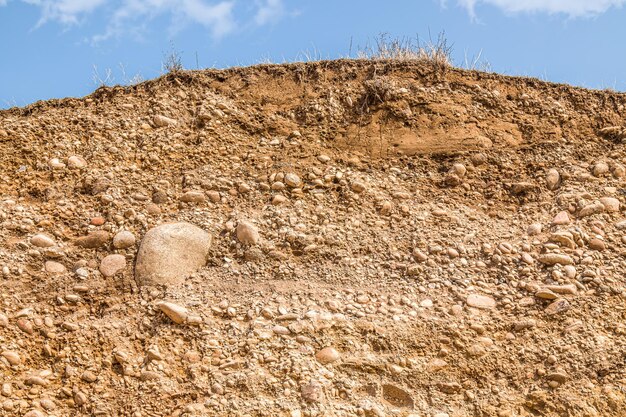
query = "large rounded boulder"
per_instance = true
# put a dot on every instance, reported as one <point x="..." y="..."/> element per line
<point x="169" y="253"/>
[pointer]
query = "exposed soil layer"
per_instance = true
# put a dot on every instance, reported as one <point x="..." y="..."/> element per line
<point x="378" y="238"/>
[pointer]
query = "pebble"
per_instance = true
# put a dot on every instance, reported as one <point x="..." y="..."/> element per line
<point x="35" y="413"/>
<point x="524" y="324"/>
<point x="534" y="229"/>
<point x="12" y="357"/>
<point x="479" y="159"/>
<point x="312" y="392"/>
<point x="47" y="404"/>
<point x="278" y="186"/>
<point x="292" y="180"/>
<point x="112" y="264"/>
<point x="69" y="326"/>
<point x="53" y="267"/>
<point x="25" y="326"/>
<point x="278" y="200"/>
<point x="591" y="209"/>
<point x="563" y="289"/>
<point x="558" y="306"/>
<point x="124" y="240"/>
<point x="458" y="169"/>
<point x="553" y="179"/>
<point x="561" y="219"/>
<point x="281" y="330"/>
<point x="570" y="271"/>
<point x="218" y="388"/>
<point x="76" y="162"/>
<point x="385" y="208"/>
<point x="545" y="294"/>
<point x="597" y="244"/>
<point x="80" y="398"/>
<point x="94" y="240"/>
<point x="527" y="258"/>
<point x="358" y="187"/>
<point x="327" y="355"/>
<point x="247" y="233"/>
<point x="89" y="376"/>
<point x="600" y="169"/>
<point x="193" y="197"/>
<point x="480" y="301"/>
<point x="555" y="258"/>
<point x="159" y="197"/>
<point x="214" y="196"/>
<point x="163" y="121"/>
<point x="253" y="254"/>
<point x="42" y="241"/>
<point x="153" y="209"/>
<point x="55" y="163"/>
<point x="611" y="204"/>
<point x="35" y="380"/>
<point x="419" y="255"/>
<point x="176" y="313"/>
<point x="98" y="221"/>
<point x="557" y="376"/>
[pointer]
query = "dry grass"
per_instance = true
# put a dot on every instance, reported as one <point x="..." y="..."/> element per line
<point x="434" y="51"/>
<point x="172" y="60"/>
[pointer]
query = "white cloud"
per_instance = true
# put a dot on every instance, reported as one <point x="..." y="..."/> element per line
<point x="268" y="11"/>
<point x="571" y="8"/>
<point x="130" y="16"/>
<point x="217" y="18"/>
<point x="65" y="11"/>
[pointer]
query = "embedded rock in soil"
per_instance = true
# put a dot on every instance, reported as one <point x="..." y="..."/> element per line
<point x="76" y="162"/>
<point x="553" y="179"/>
<point x="94" y="240"/>
<point x="611" y="204"/>
<point x="556" y="258"/>
<point x="112" y="264"/>
<point x="480" y="301"/>
<point x="42" y="241"/>
<point x="53" y="267"/>
<point x="170" y="252"/>
<point x="176" y="313"/>
<point x="327" y="355"/>
<point x="124" y="240"/>
<point x="247" y="233"/>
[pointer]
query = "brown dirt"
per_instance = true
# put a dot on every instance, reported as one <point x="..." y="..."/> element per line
<point x="418" y="188"/>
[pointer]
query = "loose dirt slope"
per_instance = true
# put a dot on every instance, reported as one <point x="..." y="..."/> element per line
<point x="430" y="243"/>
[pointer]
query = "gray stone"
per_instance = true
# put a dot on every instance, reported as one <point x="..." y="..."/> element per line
<point x="171" y="252"/>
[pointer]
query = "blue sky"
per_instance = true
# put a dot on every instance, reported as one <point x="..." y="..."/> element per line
<point x="52" y="48"/>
